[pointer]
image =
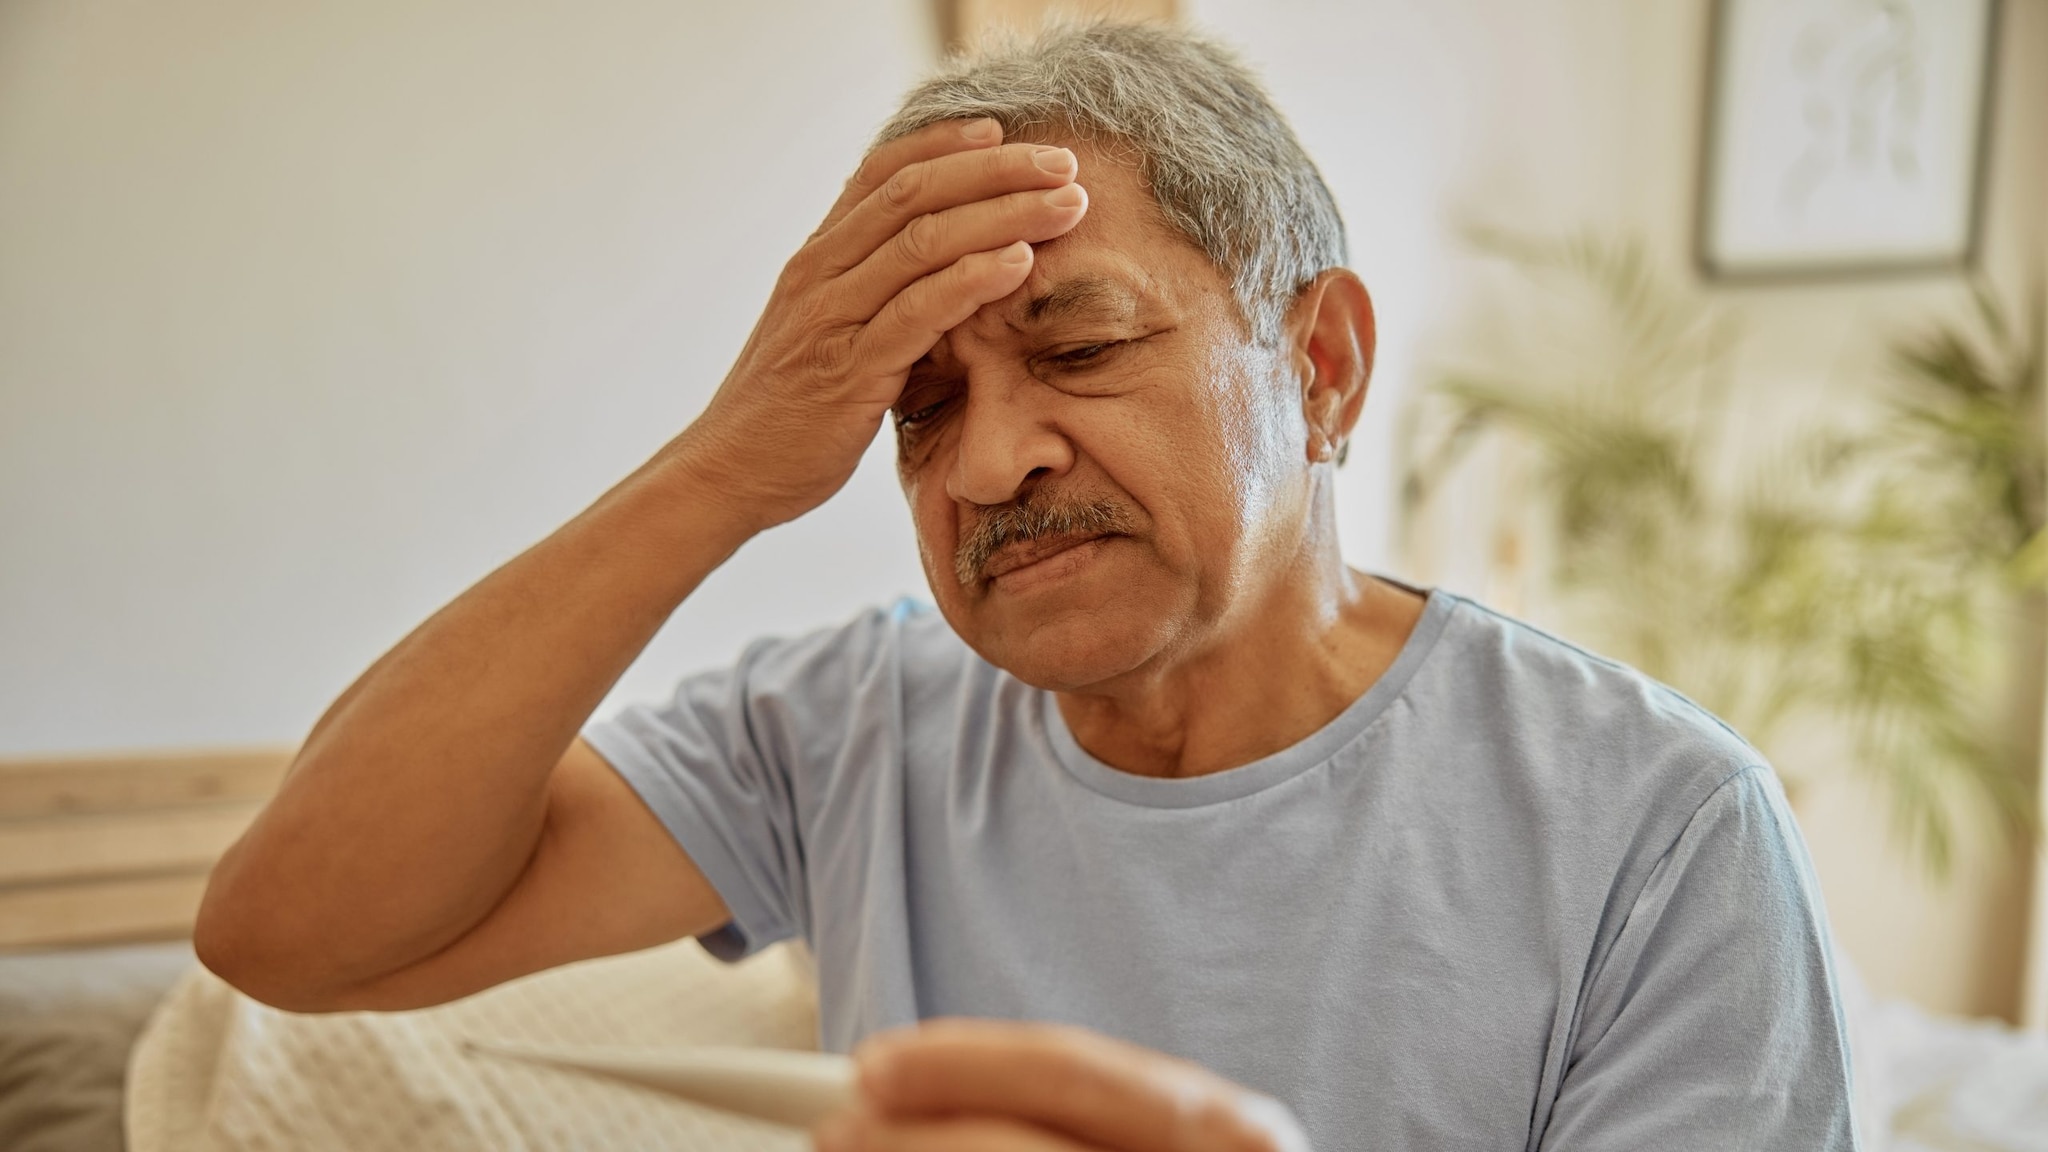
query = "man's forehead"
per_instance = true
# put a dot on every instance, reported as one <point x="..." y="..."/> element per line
<point x="1097" y="296"/>
<point x="1117" y="265"/>
<point x="1077" y="285"/>
<point x="1123" y="215"/>
<point x="1101" y="272"/>
<point x="1100" y="295"/>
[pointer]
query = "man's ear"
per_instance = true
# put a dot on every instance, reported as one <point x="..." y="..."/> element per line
<point x="1332" y="334"/>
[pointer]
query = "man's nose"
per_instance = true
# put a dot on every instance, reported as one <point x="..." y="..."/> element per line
<point x="1006" y="437"/>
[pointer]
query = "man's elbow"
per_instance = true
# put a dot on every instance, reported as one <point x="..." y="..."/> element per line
<point x="238" y="942"/>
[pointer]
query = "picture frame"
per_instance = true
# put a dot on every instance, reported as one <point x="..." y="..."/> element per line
<point x="1844" y="138"/>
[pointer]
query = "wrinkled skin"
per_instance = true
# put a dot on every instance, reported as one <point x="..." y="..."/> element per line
<point x="1217" y="624"/>
<point x="1120" y="371"/>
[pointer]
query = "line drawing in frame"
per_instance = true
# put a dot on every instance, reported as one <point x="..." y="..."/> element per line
<point x="1844" y="138"/>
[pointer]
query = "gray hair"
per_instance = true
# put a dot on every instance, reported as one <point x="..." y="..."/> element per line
<point x="1222" y="162"/>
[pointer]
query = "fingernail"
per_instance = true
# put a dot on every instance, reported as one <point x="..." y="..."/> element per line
<point x="1016" y="253"/>
<point x="1057" y="161"/>
<point x="1069" y="196"/>
<point x="981" y="131"/>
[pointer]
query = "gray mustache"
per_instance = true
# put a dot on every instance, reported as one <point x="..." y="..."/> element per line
<point x="1031" y="518"/>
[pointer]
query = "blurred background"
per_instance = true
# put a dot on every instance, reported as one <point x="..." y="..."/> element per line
<point x="311" y="314"/>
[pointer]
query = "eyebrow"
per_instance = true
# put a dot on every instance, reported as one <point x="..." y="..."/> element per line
<point x="1082" y="295"/>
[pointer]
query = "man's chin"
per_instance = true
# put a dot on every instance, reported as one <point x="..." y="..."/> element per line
<point x="1065" y="643"/>
<point x="1068" y="655"/>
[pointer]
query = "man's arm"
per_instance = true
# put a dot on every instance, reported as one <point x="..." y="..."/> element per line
<point x="442" y="830"/>
<point x="429" y="839"/>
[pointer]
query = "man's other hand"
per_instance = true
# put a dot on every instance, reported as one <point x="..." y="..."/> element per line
<point x="990" y="1086"/>
<point x="931" y="228"/>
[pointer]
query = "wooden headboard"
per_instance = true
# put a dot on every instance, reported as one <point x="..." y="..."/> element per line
<point x="107" y="849"/>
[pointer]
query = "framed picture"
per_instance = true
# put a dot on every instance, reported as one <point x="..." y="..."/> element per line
<point x="1844" y="136"/>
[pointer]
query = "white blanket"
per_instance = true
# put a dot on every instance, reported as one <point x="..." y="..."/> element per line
<point x="215" y="1071"/>
<point x="1931" y="1083"/>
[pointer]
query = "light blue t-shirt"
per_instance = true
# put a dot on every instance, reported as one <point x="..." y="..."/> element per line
<point x="1514" y="897"/>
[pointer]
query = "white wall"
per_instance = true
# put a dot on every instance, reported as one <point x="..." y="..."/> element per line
<point x="311" y="314"/>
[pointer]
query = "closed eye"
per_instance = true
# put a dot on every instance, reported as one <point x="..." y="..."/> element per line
<point x="907" y="421"/>
<point x="1085" y="356"/>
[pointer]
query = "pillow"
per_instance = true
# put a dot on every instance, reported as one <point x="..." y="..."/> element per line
<point x="67" y="1020"/>
<point x="215" y="1070"/>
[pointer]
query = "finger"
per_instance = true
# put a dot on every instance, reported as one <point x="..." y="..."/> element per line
<point x="927" y="143"/>
<point x="938" y="184"/>
<point x="868" y="1133"/>
<point x="1084" y="1085"/>
<point x="932" y="242"/>
<point x="910" y="323"/>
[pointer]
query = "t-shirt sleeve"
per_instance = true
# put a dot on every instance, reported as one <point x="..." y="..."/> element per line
<point x="1714" y="1021"/>
<point x="720" y="765"/>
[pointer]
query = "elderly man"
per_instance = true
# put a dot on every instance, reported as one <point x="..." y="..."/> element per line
<point x="1209" y="841"/>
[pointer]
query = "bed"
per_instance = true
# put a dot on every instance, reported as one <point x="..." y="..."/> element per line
<point x="112" y="1037"/>
<point x="68" y="1020"/>
<point x="102" y="862"/>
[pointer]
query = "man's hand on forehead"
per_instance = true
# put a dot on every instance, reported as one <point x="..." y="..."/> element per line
<point x="921" y="205"/>
<point x="932" y="227"/>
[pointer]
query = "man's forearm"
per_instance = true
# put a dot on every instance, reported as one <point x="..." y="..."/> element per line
<point x="420" y="807"/>
<point x="418" y="798"/>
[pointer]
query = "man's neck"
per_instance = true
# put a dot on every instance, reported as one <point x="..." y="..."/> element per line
<point x="1289" y="666"/>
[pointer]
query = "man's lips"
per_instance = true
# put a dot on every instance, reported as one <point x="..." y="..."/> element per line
<point x="1023" y="555"/>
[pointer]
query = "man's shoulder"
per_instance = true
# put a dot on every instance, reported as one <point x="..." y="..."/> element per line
<point x="1592" y="719"/>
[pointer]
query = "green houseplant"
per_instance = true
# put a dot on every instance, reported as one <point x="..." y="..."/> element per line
<point x="1863" y="577"/>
